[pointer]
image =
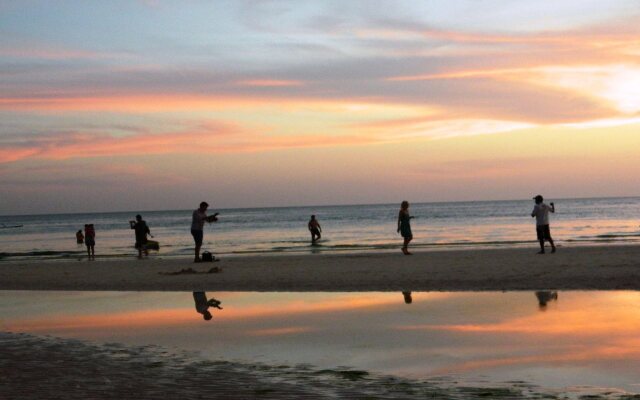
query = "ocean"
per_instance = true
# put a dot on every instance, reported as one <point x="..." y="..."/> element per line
<point x="345" y="228"/>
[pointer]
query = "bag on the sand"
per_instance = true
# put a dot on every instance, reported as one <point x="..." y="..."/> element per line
<point x="207" y="257"/>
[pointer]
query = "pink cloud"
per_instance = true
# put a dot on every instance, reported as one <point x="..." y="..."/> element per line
<point x="202" y="139"/>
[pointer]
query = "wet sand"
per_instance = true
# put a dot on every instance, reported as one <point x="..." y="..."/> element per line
<point x="36" y="367"/>
<point x="577" y="268"/>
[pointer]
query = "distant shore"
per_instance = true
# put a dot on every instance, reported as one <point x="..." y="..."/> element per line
<point x="578" y="268"/>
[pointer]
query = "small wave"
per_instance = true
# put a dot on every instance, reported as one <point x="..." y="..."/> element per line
<point x="618" y="235"/>
<point x="42" y="253"/>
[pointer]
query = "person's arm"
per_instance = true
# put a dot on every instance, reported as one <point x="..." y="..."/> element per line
<point x="132" y="224"/>
<point x="399" y="218"/>
<point x="533" y="213"/>
<point x="552" y="208"/>
<point x="309" y="226"/>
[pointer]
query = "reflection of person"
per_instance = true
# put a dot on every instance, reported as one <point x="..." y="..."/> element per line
<point x="202" y="304"/>
<point x="314" y="228"/>
<point x="541" y="214"/>
<point x="198" y="219"/>
<point x="407" y="297"/>
<point x="79" y="237"/>
<point x="90" y="240"/>
<point x="545" y="296"/>
<point x="142" y="230"/>
<point x="404" y="226"/>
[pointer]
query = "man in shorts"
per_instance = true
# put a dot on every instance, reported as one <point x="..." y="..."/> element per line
<point x="198" y="219"/>
<point x="541" y="214"/>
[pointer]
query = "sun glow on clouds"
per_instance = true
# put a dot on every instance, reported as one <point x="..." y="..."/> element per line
<point x="310" y="79"/>
<point x="619" y="84"/>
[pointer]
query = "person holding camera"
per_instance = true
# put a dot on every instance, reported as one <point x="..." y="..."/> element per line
<point x="141" y="230"/>
<point x="541" y="214"/>
<point x="198" y="219"/>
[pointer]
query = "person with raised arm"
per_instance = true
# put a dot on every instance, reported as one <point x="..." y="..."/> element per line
<point x="541" y="214"/>
<point x="199" y="217"/>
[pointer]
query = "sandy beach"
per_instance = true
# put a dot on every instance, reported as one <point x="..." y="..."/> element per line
<point x="578" y="268"/>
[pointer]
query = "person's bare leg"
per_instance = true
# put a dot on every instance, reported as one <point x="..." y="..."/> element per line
<point x="407" y="246"/>
<point x="197" y="252"/>
<point x="553" y="246"/>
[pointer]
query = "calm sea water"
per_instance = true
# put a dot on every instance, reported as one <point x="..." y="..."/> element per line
<point x="345" y="228"/>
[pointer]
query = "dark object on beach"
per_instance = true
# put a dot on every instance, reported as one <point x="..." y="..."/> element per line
<point x="153" y="245"/>
<point x="10" y="226"/>
<point x="207" y="257"/>
<point x="183" y="271"/>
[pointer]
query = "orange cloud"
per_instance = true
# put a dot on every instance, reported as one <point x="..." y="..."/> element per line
<point x="204" y="139"/>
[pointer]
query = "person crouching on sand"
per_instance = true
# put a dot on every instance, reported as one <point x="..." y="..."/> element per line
<point x="90" y="240"/>
<point x="315" y="229"/>
<point x="142" y="230"/>
<point x="541" y="214"/>
<point x="404" y="226"/>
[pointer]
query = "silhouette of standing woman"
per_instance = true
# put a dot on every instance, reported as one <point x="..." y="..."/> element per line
<point x="90" y="240"/>
<point x="404" y="226"/>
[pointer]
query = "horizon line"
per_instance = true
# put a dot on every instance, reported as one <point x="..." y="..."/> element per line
<point x="316" y="205"/>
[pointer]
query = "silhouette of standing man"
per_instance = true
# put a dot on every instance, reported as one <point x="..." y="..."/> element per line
<point x="198" y="219"/>
<point x="142" y="230"/>
<point x="541" y="214"/>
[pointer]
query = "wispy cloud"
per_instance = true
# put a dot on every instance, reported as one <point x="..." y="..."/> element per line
<point x="205" y="138"/>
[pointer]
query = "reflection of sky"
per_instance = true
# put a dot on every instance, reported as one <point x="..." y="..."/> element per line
<point x="583" y="338"/>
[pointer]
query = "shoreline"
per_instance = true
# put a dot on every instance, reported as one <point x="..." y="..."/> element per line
<point x="571" y="268"/>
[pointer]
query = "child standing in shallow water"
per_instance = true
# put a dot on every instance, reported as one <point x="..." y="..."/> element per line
<point x="90" y="240"/>
<point x="404" y="226"/>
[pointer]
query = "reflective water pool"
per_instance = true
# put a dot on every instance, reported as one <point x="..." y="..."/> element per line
<point x="570" y="342"/>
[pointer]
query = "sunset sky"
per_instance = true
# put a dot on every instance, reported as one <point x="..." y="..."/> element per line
<point x="143" y="105"/>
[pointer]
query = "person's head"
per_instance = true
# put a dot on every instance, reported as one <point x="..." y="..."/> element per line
<point x="86" y="226"/>
<point x="404" y="205"/>
<point x="313" y="217"/>
<point x="207" y="315"/>
<point x="538" y="199"/>
<point x="138" y="217"/>
<point x="79" y="230"/>
<point x="204" y="205"/>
